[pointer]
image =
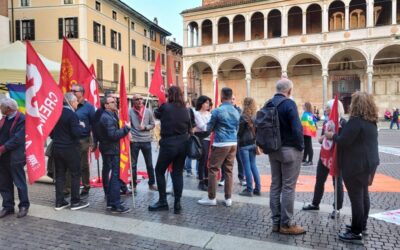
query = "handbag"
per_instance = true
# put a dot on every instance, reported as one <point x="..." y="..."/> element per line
<point x="194" y="147"/>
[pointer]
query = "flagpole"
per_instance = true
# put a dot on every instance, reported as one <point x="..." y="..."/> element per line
<point x="145" y="107"/>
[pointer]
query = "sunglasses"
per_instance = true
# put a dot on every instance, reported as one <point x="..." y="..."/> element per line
<point x="74" y="91"/>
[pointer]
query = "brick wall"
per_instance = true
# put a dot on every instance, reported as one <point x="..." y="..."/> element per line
<point x="3" y="8"/>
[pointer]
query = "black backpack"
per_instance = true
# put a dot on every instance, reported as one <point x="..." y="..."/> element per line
<point x="268" y="135"/>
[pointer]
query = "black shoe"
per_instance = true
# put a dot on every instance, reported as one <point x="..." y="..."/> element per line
<point x="120" y="210"/>
<point x="23" y="211"/>
<point x="61" y="206"/>
<point x="351" y="237"/>
<point x="202" y="187"/>
<point x="79" y="205"/>
<point x="121" y="203"/>
<point x="84" y="193"/>
<point x="335" y="214"/>
<point x="364" y="231"/>
<point x="159" y="206"/>
<point x="177" y="207"/>
<point x="256" y="192"/>
<point x="310" y="207"/>
<point x="246" y="192"/>
<point x="4" y="212"/>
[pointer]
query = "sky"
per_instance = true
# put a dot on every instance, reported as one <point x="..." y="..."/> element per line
<point x="167" y="13"/>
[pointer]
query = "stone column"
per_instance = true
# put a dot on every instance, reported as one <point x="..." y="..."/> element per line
<point x="304" y="23"/>
<point x="191" y="36"/>
<point x="370" y="73"/>
<point x="185" y="88"/>
<point x="185" y="35"/>
<point x="370" y="14"/>
<point x="325" y="19"/>
<point x="346" y="18"/>
<point x="265" y="27"/>
<point x="284" y="73"/>
<point x="284" y="27"/>
<point x="324" y="86"/>
<point x="394" y="11"/>
<point x="248" y="84"/>
<point x="199" y="35"/>
<point x="247" y="29"/>
<point x="215" y="78"/>
<point x="231" y="31"/>
<point x="215" y="32"/>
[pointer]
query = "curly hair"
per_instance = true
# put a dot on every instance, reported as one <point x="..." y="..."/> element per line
<point x="249" y="107"/>
<point x="363" y="106"/>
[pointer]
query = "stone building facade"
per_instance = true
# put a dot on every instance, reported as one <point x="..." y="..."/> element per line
<point x="326" y="47"/>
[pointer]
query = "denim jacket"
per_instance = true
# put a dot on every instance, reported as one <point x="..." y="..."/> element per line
<point x="224" y="122"/>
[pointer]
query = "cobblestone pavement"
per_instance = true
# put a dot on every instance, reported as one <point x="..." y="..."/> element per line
<point x="245" y="220"/>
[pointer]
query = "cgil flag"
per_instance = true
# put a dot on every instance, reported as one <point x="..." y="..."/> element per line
<point x="157" y="84"/>
<point x="44" y="103"/>
<point x="17" y="92"/>
<point x="124" y="142"/>
<point x="94" y="99"/>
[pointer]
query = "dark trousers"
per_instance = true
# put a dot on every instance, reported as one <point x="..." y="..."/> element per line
<point x="241" y="173"/>
<point x="308" y="149"/>
<point x="357" y="188"/>
<point x="105" y="177"/>
<point x="111" y="162"/>
<point x="322" y="175"/>
<point x="203" y="169"/>
<point x="394" y="122"/>
<point x="67" y="159"/>
<point x="145" y="147"/>
<point x="172" y="150"/>
<point x="10" y="175"/>
<point x="85" y="171"/>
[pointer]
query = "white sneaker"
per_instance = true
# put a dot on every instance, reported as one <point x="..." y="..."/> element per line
<point x="221" y="183"/>
<point x="207" y="202"/>
<point x="243" y="183"/>
<point x="228" y="202"/>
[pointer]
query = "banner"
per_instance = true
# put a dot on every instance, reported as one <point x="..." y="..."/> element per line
<point x="308" y="123"/>
<point x="124" y="142"/>
<point x="94" y="99"/>
<point x="74" y="70"/>
<point x="328" y="147"/>
<point x="157" y="84"/>
<point x="17" y="92"/>
<point x="388" y="216"/>
<point x="44" y="104"/>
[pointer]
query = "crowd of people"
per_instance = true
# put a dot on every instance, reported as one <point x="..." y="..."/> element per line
<point x="226" y="133"/>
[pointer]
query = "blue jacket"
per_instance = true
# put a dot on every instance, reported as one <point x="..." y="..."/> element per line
<point x="67" y="131"/>
<point x="225" y="123"/>
<point x="15" y="145"/>
<point x="110" y="133"/>
<point x="289" y="122"/>
<point x="85" y="114"/>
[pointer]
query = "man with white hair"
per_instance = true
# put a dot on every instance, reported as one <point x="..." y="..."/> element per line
<point x="12" y="158"/>
<point x="286" y="162"/>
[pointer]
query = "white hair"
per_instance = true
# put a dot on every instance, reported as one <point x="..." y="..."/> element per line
<point x="340" y="107"/>
<point x="283" y="85"/>
<point x="9" y="103"/>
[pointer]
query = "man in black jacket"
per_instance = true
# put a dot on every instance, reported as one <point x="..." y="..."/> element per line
<point x="12" y="158"/>
<point x="110" y="150"/>
<point x="285" y="163"/>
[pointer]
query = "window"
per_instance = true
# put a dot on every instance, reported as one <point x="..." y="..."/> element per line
<point x="99" y="69"/>
<point x="119" y="42"/>
<point x="162" y="59"/>
<point x="133" y="42"/>
<point x="133" y="81"/>
<point x="162" y="39"/>
<point x="132" y="25"/>
<point x="25" y="3"/>
<point x="114" y="39"/>
<point x="68" y="27"/>
<point x="153" y="55"/>
<point x="25" y="30"/>
<point x="146" y="79"/>
<point x="153" y="35"/>
<point x="68" y="1"/>
<point x="177" y="66"/>
<point x="104" y="34"/>
<point x="98" y="6"/>
<point x="116" y="72"/>
<point x="114" y="15"/>
<point x="145" y="52"/>
<point x="96" y="32"/>
<point x="177" y="80"/>
<point x="148" y="54"/>
<point x="145" y="32"/>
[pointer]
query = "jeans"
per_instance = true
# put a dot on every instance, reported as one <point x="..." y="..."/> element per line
<point x="248" y="156"/>
<point x="105" y="177"/>
<point x="145" y="147"/>
<point x="67" y="159"/>
<point x="203" y="168"/>
<point x="114" y="183"/>
<point x="285" y="169"/>
<point x="308" y="148"/>
<point x="322" y="174"/>
<point x="172" y="150"/>
<point x="85" y="172"/>
<point x="394" y="122"/>
<point x="10" y="174"/>
<point x="188" y="165"/>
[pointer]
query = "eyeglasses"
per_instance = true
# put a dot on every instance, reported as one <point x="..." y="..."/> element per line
<point x="74" y="91"/>
<point x="138" y="99"/>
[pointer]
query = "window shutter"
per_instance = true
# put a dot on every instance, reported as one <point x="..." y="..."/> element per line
<point x="104" y="35"/>
<point x="94" y="32"/>
<point x="116" y="67"/>
<point x="32" y="30"/>
<point x="148" y="54"/>
<point x="17" y="30"/>
<point x="134" y="76"/>
<point x="119" y="42"/>
<point x="76" y="33"/>
<point x="146" y="79"/>
<point x="60" y="28"/>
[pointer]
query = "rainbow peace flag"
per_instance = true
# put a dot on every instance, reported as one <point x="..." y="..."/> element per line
<point x="17" y="92"/>
<point x="308" y="123"/>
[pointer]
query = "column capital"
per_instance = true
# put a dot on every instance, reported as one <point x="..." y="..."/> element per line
<point x="370" y="69"/>
<point x="284" y="73"/>
<point x="248" y="77"/>
<point x="325" y="72"/>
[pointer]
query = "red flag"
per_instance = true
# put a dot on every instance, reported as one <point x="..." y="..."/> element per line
<point x="73" y="70"/>
<point x="44" y="103"/>
<point x="93" y="97"/>
<point x="123" y="119"/>
<point x="328" y="148"/>
<point x="157" y="85"/>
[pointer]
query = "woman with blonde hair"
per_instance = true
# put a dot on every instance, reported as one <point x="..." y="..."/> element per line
<point x="247" y="147"/>
<point x="358" y="161"/>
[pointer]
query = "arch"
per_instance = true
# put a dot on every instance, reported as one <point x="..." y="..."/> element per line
<point x="206" y="32"/>
<point x="263" y="65"/>
<point x="314" y="19"/>
<point x="357" y="10"/>
<point x="295" y="21"/>
<point x="257" y="26"/>
<point x="383" y="12"/>
<point x="387" y="54"/>
<point x="360" y="55"/>
<point x="239" y="28"/>
<point x="230" y="59"/>
<point x="304" y="63"/>
<point x="203" y="65"/>
<point x="274" y="23"/>
<point x="336" y="16"/>
<point x="193" y="34"/>
<point x="223" y="30"/>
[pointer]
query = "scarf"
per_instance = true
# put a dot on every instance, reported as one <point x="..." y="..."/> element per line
<point x="139" y="112"/>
